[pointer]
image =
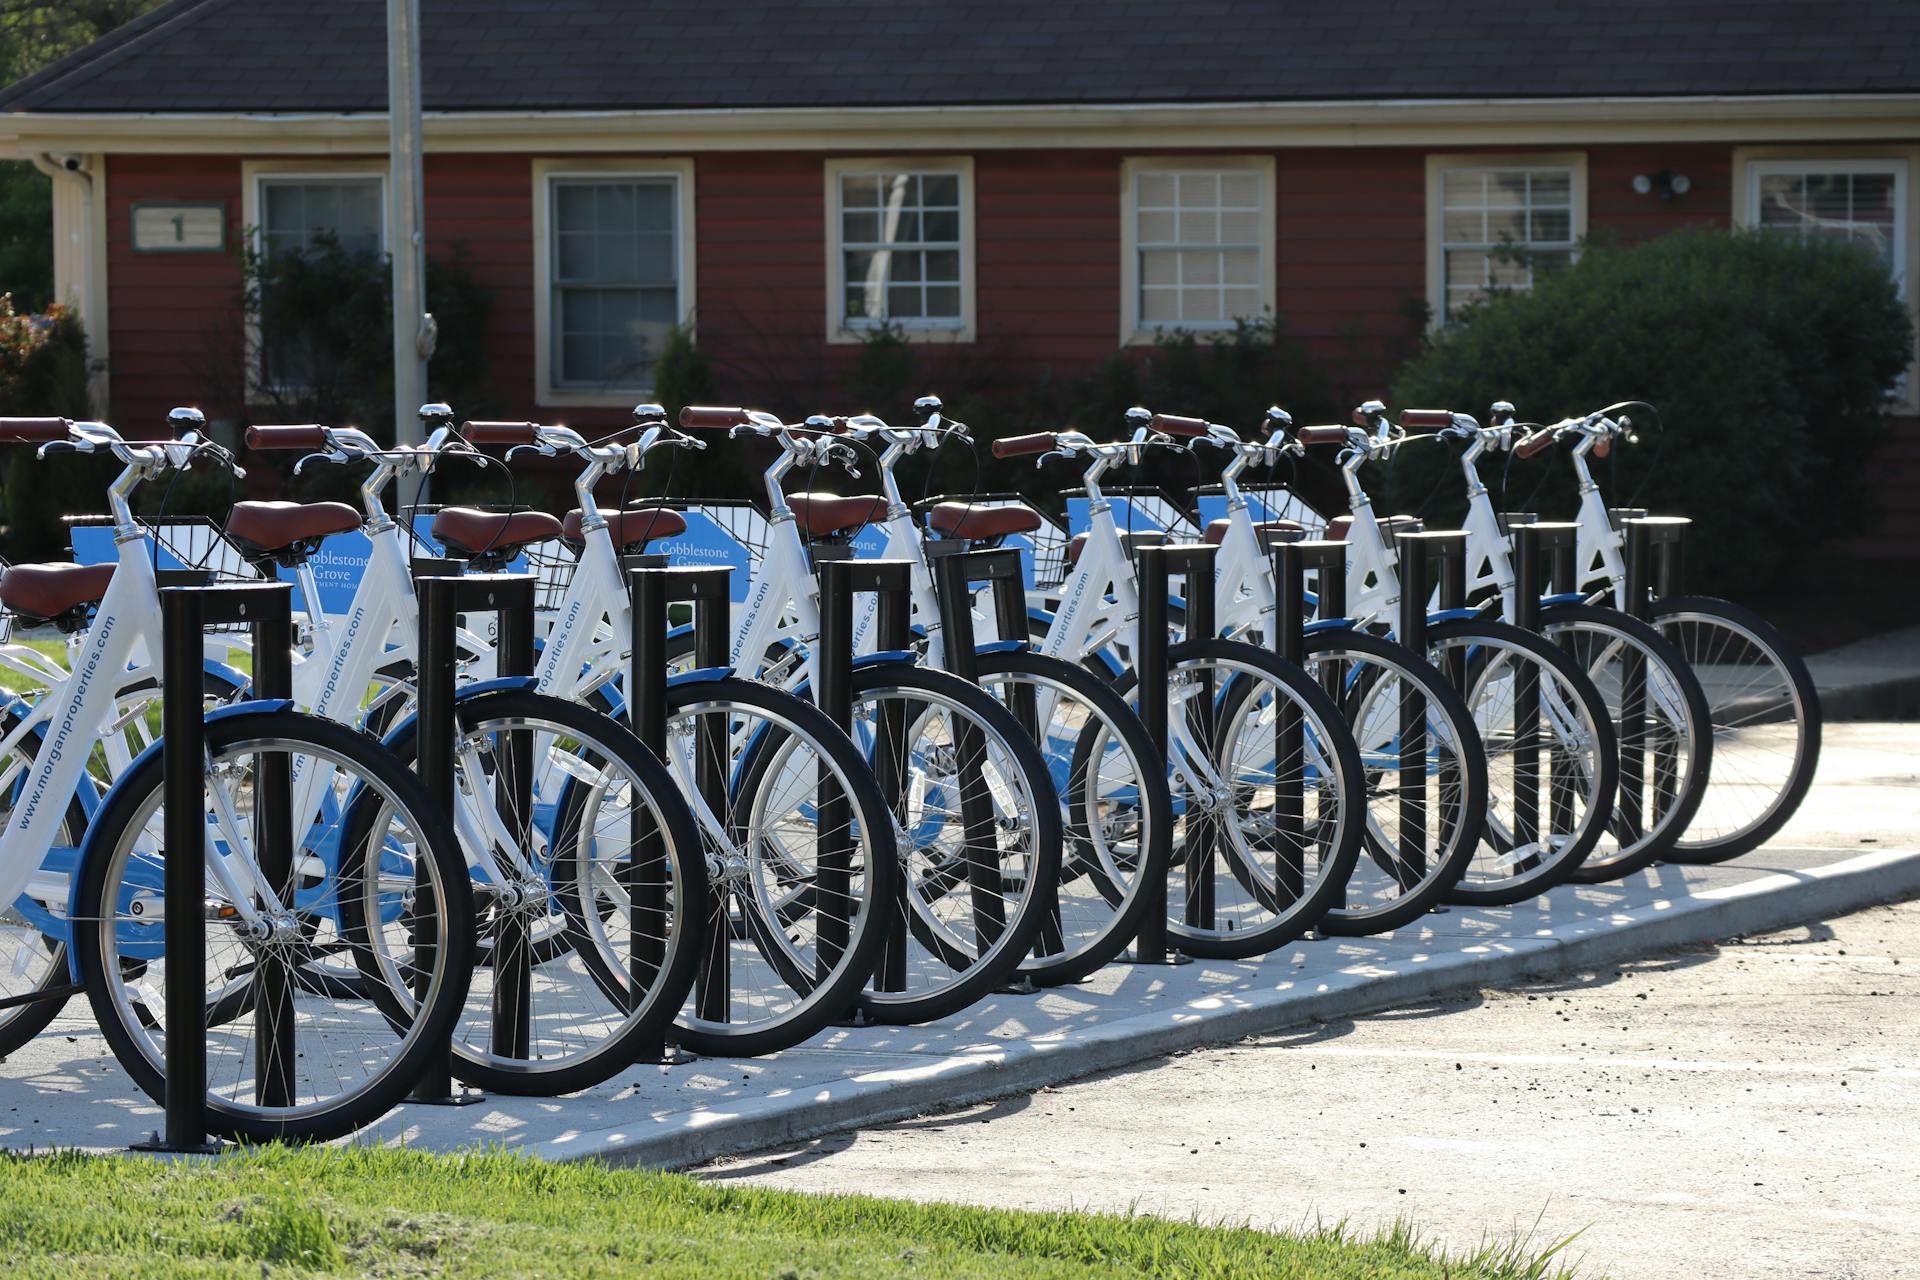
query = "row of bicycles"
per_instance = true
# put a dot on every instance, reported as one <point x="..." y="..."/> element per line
<point x="872" y="791"/>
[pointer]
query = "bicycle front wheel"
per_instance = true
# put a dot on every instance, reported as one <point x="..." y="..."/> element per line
<point x="314" y="1061"/>
<point x="564" y="798"/>
<point x="1766" y="724"/>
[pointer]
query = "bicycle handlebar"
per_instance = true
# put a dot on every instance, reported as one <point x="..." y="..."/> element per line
<point x="1024" y="446"/>
<point x="508" y="433"/>
<point x="33" y="430"/>
<point x="1321" y="435"/>
<point x="309" y="437"/>
<point x="1534" y="443"/>
<point x="1174" y="425"/>
<point x="710" y="418"/>
<point x="1425" y="419"/>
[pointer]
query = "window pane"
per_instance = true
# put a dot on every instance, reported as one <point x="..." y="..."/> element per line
<point x="573" y="207"/>
<point x="293" y="212"/>
<point x="1156" y="227"/>
<point x="1156" y="190"/>
<point x="1243" y="304"/>
<point x="653" y="259"/>
<point x="1488" y="211"/>
<point x="1241" y="267"/>
<point x="908" y="211"/>
<point x="903" y="302"/>
<point x="1159" y="266"/>
<point x="859" y="190"/>
<point x="1199" y="228"/>
<point x="941" y="189"/>
<point x="1199" y="189"/>
<point x="1200" y="306"/>
<point x="1855" y="207"/>
<point x="1159" y="306"/>
<point x="1240" y="228"/>
<point x="1239" y="191"/>
<point x="1200" y="268"/>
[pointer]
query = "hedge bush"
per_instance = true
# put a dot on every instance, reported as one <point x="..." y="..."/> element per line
<point x="1770" y="360"/>
<point x="43" y="371"/>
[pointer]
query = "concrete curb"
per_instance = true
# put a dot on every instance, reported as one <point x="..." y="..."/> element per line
<point x="1894" y="699"/>
<point x="1019" y="1066"/>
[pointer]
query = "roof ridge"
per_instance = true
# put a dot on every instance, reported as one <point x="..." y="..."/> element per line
<point x="108" y="49"/>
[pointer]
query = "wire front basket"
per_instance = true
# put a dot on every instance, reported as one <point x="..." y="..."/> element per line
<point x="186" y="550"/>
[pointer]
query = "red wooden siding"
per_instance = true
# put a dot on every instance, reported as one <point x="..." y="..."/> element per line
<point x="175" y="317"/>
<point x="1350" y="272"/>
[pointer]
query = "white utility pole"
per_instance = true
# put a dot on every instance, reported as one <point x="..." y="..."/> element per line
<point x="413" y="328"/>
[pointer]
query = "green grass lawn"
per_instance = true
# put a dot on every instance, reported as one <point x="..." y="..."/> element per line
<point x="399" y="1213"/>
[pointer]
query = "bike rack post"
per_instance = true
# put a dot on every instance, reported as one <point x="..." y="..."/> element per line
<point x="1292" y="562"/>
<point x="1537" y="548"/>
<point x="1653" y="569"/>
<point x="1154" y="567"/>
<point x="1424" y="557"/>
<point x="653" y="587"/>
<point x="442" y="600"/>
<point x="185" y="613"/>
<point x="955" y="572"/>
<point x="891" y="580"/>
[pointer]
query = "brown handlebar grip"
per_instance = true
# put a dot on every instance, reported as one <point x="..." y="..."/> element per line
<point x="33" y="430"/>
<point x="1174" y="425"/>
<point x="1533" y="444"/>
<point x="1603" y="446"/>
<point x="1321" y="435"/>
<point x="309" y="437"/>
<point x="696" y="417"/>
<point x="498" y="432"/>
<point x="1425" y="419"/>
<point x="1023" y="446"/>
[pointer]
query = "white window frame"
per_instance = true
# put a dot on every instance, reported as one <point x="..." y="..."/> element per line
<point x="839" y="330"/>
<point x="1133" y="332"/>
<point x="1438" y="167"/>
<point x="253" y="176"/>
<point x="1750" y="164"/>
<point x="544" y="172"/>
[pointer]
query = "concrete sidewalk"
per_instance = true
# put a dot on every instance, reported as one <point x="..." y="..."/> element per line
<point x="1840" y="854"/>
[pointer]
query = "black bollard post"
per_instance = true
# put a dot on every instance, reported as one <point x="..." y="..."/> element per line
<point x="1424" y="558"/>
<point x="840" y="579"/>
<point x="443" y="599"/>
<point x="1292" y="561"/>
<point x="1654" y="546"/>
<point x="652" y="587"/>
<point x="955" y="572"/>
<point x="185" y="613"/>
<point x="1154" y="567"/>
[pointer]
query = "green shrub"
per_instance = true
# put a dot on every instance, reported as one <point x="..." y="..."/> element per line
<point x="43" y="371"/>
<point x="1768" y="358"/>
<point x="324" y="317"/>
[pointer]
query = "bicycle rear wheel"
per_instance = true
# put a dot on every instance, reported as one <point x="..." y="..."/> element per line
<point x="1551" y="760"/>
<point x="1661" y="725"/>
<point x="1269" y="799"/>
<point x="567" y="997"/>
<point x="1766" y="724"/>
<point x="310" y="1063"/>
<point x="1113" y="795"/>
<point x="801" y="851"/>
<point x="1426" y="777"/>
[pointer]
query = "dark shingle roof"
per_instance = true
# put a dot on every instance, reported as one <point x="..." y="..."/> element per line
<point x="330" y="55"/>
